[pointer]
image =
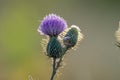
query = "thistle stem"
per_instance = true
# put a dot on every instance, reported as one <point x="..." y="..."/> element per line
<point x="54" y="69"/>
<point x="58" y="64"/>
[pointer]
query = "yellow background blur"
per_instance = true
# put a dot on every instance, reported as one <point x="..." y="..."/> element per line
<point x="21" y="55"/>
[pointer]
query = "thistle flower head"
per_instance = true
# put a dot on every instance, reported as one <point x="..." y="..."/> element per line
<point x="52" y="25"/>
<point x="72" y="37"/>
<point x="117" y="34"/>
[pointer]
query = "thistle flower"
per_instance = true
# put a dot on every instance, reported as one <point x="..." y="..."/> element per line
<point x="117" y="35"/>
<point x="72" y="37"/>
<point x="52" y="25"/>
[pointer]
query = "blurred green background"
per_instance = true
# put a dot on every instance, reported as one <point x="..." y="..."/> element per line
<point x="21" y="55"/>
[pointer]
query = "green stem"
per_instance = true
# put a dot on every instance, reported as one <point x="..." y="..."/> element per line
<point x="54" y="69"/>
<point x="56" y="65"/>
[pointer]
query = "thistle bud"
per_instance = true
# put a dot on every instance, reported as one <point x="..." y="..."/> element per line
<point x="71" y="38"/>
<point x="54" y="48"/>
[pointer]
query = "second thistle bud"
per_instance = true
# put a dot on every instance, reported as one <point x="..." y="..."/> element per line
<point x="71" y="37"/>
<point x="54" y="48"/>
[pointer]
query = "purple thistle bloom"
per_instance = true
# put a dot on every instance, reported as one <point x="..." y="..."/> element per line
<point x="52" y="25"/>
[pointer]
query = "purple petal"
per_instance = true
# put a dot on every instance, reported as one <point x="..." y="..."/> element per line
<point x="52" y="25"/>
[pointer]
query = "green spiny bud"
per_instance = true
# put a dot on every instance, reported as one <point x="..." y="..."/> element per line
<point x="71" y="37"/>
<point x="54" y="48"/>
